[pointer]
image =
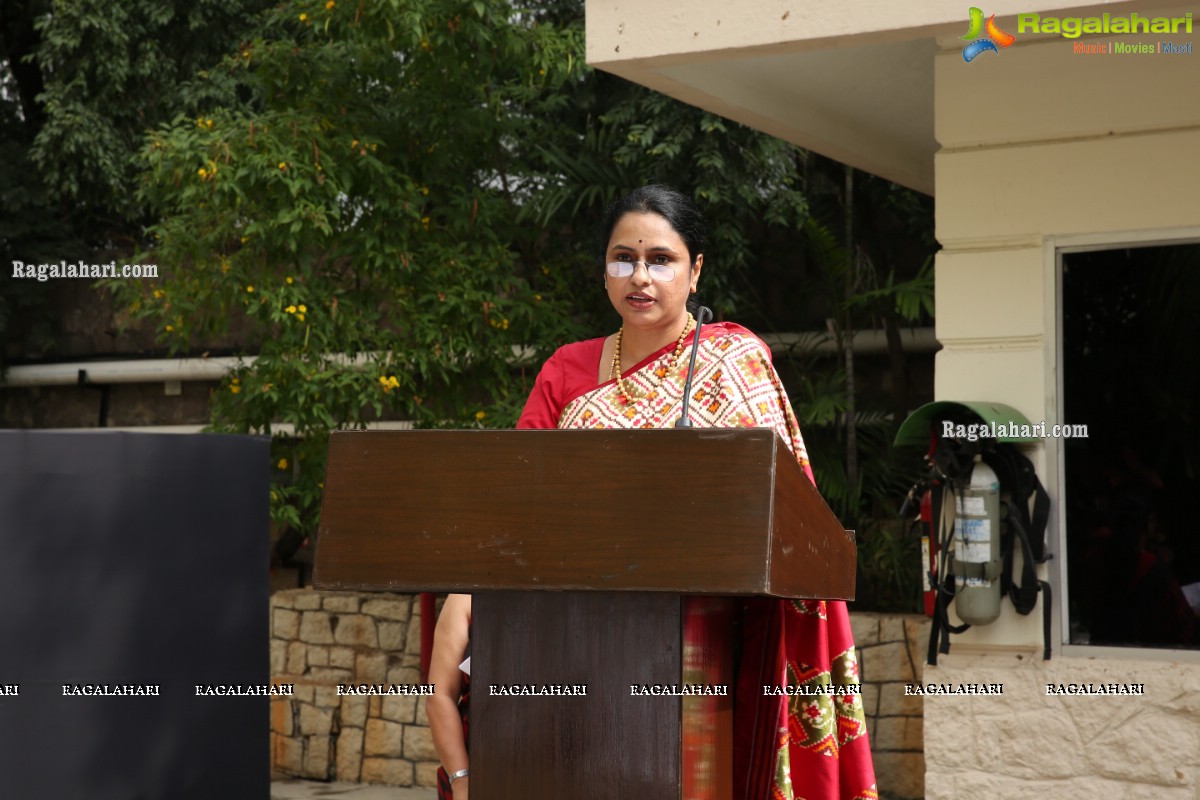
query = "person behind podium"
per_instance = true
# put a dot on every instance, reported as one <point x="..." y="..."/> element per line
<point x="814" y="746"/>
<point x="447" y="708"/>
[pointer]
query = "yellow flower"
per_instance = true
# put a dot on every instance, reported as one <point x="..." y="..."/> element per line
<point x="268" y="387"/>
<point x="290" y="309"/>
<point x="158" y="293"/>
<point x="304" y="17"/>
<point x="537" y="297"/>
<point x="282" y="463"/>
<point x="425" y="190"/>
<point x="202" y="172"/>
<point x="250" y="289"/>
<point x="480" y="416"/>
<point x="283" y="165"/>
<point x="300" y="317"/>
<point x="235" y="388"/>
<point x="541" y="72"/>
<point x="289" y="279"/>
<point x="388" y="382"/>
<point x="245" y="239"/>
<point x="170" y="328"/>
<point x="208" y="123"/>
<point x="329" y="6"/>
<point x="303" y="308"/>
<point x="504" y="324"/>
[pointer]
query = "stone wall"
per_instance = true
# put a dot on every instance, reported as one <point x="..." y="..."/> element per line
<point x="891" y="654"/>
<point x="321" y="639"/>
<point x="1028" y="744"/>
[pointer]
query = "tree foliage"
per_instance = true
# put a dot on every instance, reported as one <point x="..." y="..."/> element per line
<point x="80" y="83"/>
<point x="622" y="135"/>
<point x="379" y="198"/>
<point x="393" y="210"/>
<point x="350" y="199"/>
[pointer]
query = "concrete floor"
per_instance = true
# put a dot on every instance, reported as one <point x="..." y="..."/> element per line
<point x="294" y="789"/>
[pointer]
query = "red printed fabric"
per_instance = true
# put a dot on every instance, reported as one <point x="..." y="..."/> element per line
<point x="809" y="744"/>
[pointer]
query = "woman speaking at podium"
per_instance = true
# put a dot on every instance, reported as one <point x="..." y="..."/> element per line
<point x="634" y="379"/>
<point x="809" y="747"/>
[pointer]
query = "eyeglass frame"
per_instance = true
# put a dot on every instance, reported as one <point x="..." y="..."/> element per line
<point x="633" y="265"/>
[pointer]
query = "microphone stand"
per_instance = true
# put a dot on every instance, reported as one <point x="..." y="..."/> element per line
<point x="703" y="315"/>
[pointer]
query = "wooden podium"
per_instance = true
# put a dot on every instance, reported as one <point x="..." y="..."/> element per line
<point x="608" y="559"/>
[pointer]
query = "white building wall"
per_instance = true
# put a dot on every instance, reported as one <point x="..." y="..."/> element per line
<point x="1041" y="148"/>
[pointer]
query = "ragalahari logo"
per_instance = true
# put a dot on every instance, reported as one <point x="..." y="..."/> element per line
<point x="993" y="36"/>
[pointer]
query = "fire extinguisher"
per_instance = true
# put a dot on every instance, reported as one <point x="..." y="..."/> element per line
<point x="977" y="564"/>
<point x="928" y="553"/>
<point x="923" y="522"/>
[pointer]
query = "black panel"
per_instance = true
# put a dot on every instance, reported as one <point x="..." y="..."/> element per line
<point x="133" y="559"/>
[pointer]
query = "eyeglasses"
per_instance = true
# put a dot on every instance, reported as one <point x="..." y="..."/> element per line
<point x="663" y="273"/>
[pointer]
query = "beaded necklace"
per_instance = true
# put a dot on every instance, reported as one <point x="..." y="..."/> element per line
<point x="615" y="370"/>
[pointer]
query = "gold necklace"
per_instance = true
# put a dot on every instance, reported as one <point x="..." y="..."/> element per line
<point x="615" y="370"/>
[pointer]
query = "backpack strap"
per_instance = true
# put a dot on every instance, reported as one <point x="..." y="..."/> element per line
<point x="943" y="581"/>
<point x="1018" y="477"/>
<point x="1024" y="595"/>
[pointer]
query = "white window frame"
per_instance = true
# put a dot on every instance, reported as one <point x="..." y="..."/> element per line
<point x="1054" y="248"/>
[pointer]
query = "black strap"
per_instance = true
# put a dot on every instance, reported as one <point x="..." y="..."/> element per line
<point x="1024" y="595"/>
<point x="1017" y="476"/>
<point x="1045" y="620"/>
<point x="943" y="583"/>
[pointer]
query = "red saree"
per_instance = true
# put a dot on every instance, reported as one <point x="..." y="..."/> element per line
<point x="807" y="746"/>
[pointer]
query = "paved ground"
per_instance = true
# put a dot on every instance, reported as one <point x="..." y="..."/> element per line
<point x="292" y="789"/>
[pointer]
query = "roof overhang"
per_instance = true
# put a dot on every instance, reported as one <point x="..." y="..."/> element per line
<point x="854" y="82"/>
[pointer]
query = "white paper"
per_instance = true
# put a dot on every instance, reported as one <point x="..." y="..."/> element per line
<point x="973" y="540"/>
<point x="1192" y="593"/>
<point x="971" y="506"/>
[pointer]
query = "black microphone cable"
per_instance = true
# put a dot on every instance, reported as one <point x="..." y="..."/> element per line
<point x="703" y="315"/>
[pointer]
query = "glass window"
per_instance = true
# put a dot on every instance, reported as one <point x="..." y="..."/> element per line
<point x="1131" y="373"/>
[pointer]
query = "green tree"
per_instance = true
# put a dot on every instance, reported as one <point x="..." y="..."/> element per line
<point x="872" y="242"/>
<point x="393" y="210"/>
<point x="622" y="135"/>
<point x="348" y="205"/>
<point x="80" y="83"/>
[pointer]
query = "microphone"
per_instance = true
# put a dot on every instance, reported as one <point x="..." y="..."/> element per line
<point x="703" y="315"/>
